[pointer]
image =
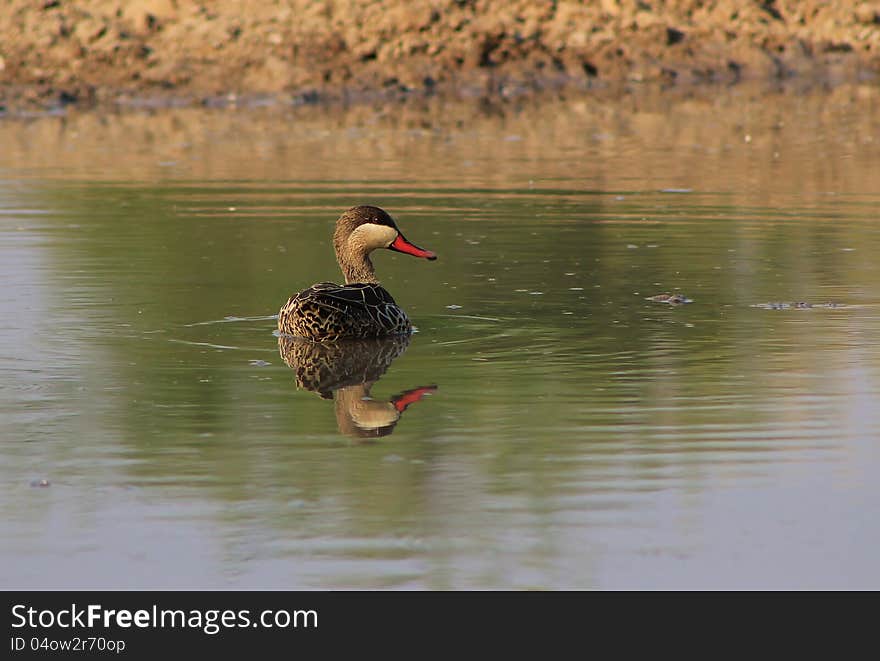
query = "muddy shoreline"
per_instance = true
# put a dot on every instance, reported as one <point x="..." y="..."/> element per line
<point x="55" y="54"/>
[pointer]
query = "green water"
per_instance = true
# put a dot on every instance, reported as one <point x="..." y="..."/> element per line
<point x="576" y="434"/>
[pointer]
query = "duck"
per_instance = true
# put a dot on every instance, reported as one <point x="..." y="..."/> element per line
<point x="361" y="308"/>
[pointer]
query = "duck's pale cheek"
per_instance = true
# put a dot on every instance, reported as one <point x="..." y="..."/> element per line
<point x="373" y="236"/>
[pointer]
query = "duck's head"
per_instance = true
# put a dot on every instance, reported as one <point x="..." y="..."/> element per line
<point x="363" y="229"/>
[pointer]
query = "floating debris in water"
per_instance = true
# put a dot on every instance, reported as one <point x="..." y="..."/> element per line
<point x="453" y="307"/>
<point x="677" y="190"/>
<point x="631" y="246"/>
<point x="536" y="293"/>
<point x="41" y="483"/>
<point x="671" y="299"/>
<point x="795" y="305"/>
<point x="258" y="363"/>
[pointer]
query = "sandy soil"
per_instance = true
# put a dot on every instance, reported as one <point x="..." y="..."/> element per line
<point x="57" y="52"/>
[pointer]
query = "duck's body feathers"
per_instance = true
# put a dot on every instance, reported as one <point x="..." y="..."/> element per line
<point x="326" y="312"/>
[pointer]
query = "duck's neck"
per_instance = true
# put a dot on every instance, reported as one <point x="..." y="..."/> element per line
<point x="357" y="268"/>
<point x="353" y="256"/>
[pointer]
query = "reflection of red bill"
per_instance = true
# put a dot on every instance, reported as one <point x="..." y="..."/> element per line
<point x="400" y="244"/>
<point x="404" y="399"/>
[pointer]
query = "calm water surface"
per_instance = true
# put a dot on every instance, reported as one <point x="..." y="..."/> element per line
<point x="546" y="427"/>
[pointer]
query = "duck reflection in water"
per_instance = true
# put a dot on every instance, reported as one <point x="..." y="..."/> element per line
<point x="345" y="372"/>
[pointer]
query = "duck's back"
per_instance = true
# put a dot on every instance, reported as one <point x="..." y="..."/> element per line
<point x="328" y="312"/>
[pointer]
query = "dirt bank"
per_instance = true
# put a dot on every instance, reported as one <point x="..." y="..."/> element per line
<point x="55" y="52"/>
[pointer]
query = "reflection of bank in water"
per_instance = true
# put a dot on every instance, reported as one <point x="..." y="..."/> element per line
<point x="345" y="372"/>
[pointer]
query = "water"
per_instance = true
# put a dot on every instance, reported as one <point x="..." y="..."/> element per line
<point x="548" y="426"/>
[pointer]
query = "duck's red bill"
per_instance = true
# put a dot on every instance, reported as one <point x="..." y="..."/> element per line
<point x="400" y="244"/>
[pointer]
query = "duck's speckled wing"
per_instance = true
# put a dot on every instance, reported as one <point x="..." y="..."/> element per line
<point x="327" y="312"/>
